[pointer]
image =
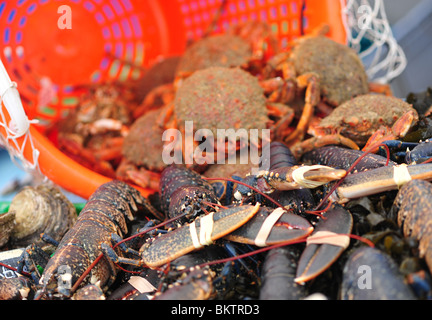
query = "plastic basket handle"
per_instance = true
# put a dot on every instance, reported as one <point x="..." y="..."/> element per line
<point x="19" y="124"/>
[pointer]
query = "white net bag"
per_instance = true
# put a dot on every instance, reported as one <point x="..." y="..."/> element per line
<point x="369" y="33"/>
<point x="17" y="139"/>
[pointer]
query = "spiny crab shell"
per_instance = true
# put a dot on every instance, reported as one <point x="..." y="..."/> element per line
<point x="360" y="117"/>
<point x="221" y="50"/>
<point x="143" y="145"/>
<point x="221" y="98"/>
<point x="341" y="72"/>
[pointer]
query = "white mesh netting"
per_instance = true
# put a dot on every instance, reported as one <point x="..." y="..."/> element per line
<point x="369" y="33"/>
<point x="16" y="137"/>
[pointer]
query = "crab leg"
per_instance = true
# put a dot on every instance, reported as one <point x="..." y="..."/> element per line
<point x="399" y="129"/>
<point x="378" y="180"/>
<point x="310" y="81"/>
<point x="380" y="88"/>
<point x="279" y="90"/>
<point x="316" y="142"/>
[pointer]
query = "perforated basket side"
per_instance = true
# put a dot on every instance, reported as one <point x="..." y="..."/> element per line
<point x="106" y="39"/>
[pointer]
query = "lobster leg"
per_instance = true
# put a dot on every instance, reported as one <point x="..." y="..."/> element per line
<point x="33" y="255"/>
<point x="112" y="256"/>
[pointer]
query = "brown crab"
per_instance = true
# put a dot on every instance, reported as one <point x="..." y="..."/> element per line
<point x="221" y="50"/>
<point x="225" y="98"/>
<point x="142" y="150"/>
<point x="156" y="87"/>
<point x="245" y="45"/>
<point x="363" y="121"/>
<point x="372" y="112"/>
<point x="331" y="73"/>
<point x="242" y="46"/>
<point x="93" y="133"/>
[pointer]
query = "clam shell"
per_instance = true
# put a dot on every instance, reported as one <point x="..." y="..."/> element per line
<point x="41" y="209"/>
<point x="6" y="225"/>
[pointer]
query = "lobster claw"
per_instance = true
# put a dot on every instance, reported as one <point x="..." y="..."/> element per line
<point x="271" y="226"/>
<point x="297" y="177"/>
<point x="327" y="242"/>
<point x="202" y="231"/>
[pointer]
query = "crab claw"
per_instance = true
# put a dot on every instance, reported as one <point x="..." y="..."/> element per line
<point x="269" y="227"/>
<point x="399" y="129"/>
<point x="327" y="242"/>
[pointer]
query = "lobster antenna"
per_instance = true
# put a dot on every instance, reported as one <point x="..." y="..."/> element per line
<point x="282" y="244"/>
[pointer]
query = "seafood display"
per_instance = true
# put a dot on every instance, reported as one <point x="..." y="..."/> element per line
<point x="339" y="207"/>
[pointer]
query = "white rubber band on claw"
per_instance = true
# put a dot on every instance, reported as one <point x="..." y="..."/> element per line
<point x="141" y="284"/>
<point x="206" y="229"/>
<point x="328" y="237"/>
<point x="401" y="175"/>
<point x="194" y="236"/>
<point x="267" y="226"/>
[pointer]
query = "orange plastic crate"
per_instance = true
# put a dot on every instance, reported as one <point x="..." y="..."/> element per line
<point x="103" y="35"/>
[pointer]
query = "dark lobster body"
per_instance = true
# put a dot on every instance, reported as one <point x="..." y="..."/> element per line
<point x="414" y="215"/>
<point x="105" y="213"/>
<point x="281" y="156"/>
<point x="183" y="191"/>
<point x="298" y="199"/>
<point x="419" y="153"/>
<point x="278" y="274"/>
<point x="370" y="274"/>
<point x="343" y="158"/>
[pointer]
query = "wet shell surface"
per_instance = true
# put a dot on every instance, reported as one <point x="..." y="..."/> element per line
<point x="41" y="209"/>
